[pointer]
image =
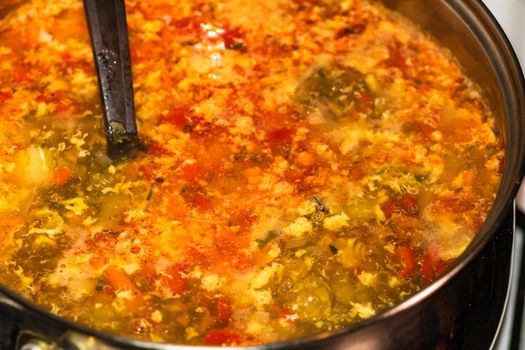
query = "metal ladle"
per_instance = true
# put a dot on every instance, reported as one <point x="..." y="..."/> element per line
<point x="109" y="39"/>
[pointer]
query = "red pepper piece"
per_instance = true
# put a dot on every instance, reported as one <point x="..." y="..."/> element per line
<point x="407" y="258"/>
<point x="4" y="96"/>
<point x="224" y="311"/>
<point x="389" y="208"/>
<point x="222" y="337"/>
<point x="175" y="282"/>
<point x="62" y="175"/>
<point x="177" y="117"/>
<point x="409" y="205"/>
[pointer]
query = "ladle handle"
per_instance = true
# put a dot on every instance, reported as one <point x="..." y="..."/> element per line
<point x="109" y="38"/>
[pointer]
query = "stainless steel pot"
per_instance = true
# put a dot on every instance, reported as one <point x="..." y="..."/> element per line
<point x="463" y="307"/>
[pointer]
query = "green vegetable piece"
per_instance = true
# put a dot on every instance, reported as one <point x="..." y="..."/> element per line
<point x="420" y="178"/>
<point x="270" y="235"/>
<point x="335" y="90"/>
<point x="150" y="194"/>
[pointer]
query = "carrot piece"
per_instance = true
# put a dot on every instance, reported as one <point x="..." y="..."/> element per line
<point x="118" y="278"/>
<point x="120" y="281"/>
<point x="62" y="175"/>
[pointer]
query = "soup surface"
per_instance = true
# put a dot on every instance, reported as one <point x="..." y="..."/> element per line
<point x="309" y="163"/>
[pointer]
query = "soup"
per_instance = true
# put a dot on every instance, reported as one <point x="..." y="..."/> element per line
<point x="308" y="164"/>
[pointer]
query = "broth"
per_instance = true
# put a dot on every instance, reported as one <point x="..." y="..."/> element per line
<point x="308" y="164"/>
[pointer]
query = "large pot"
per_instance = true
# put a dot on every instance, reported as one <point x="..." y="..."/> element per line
<point x="461" y="309"/>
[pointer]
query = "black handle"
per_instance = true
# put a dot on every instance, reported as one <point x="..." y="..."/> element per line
<point x="109" y="38"/>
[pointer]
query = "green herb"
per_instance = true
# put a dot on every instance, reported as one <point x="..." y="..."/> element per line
<point x="420" y="178"/>
<point x="241" y="155"/>
<point x="320" y="205"/>
<point x="237" y="45"/>
<point x="143" y="284"/>
<point x="98" y="287"/>
<point x="333" y="249"/>
<point x="270" y="235"/>
<point x="188" y="43"/>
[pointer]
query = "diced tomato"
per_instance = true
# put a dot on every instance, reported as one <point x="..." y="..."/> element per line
<point x="279" y="140"/>
<point x="295" y="174"/>
<point x="243" y="218"/>
<point x="108" y="290"/>
<point x="409" y="205"/>
<point x="396" y="57"/>
<point x="177" y="117"/>
<point x="501" y="165"/>
<point x="149" y="270"/>
<point x="62" y="110"/>
<point x="20" y="75"/>
<point x="156" y="149"/>
<point x="366" y="103"/>
<point x="424" y="130"/>
<point x="389" y="208"/>
<point x="223" y="337"/>
<point x="427" y="270"/>
<point x="224" y="311"/>
<point x="432" y="265"/>
<point x="195" y="196"/>
<point x="187" y="26"/>
<point x="97" y="261"/>
<point x="62" y="175"/>
<point x="192" y="172"/>
<point x="233" y="38"/>
<point x="279" y="135"/>
<point x="176" y="283"/>
<point x="41" y="98"/>
<point x="4" y="96"/>
<point x="202" y="202"/>
<point x="407" y="258"/>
